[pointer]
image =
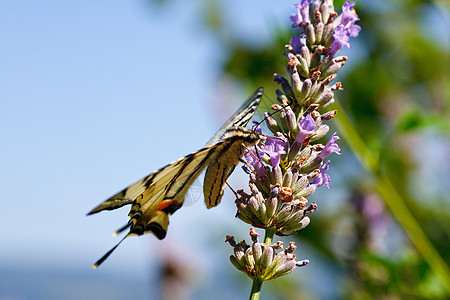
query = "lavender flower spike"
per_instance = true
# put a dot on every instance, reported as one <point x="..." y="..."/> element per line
<point x="285" y="170"/>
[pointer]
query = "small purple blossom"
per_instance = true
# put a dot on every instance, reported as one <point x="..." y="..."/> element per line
<point x="341" y="38"/>
<point x="349" y="17"/>
<point x="302" y="15"/>
<point x="322" y="178"/>
<point x="274" y="148"/>
<point x="297" y="42"/>
<point x="346" y="29"/>
<point x="306" y="126"/>
<point x="256" y="163"/>
<point x="330" y="147"/>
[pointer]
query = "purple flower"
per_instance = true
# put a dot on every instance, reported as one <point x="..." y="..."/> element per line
<point x="306" y="126"/>
<point x="349" y="17"/>
<point x="346" y="29"/>
<point x="330" y="147"/>
<point x="341" y="38"/>
<point x="274" y="148"/>
<point x="256" y="163"/>
<point x="297" y="42"/>
<point x="302" y="15"/>
<point x="322" y="178"/>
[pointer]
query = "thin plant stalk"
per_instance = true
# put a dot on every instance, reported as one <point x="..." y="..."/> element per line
<point x="392" y="198"/>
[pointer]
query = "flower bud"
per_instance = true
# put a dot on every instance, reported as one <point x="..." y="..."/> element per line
<point x="285" y="86"/>
<point x="320" y="132"/>
<point x="257" y="253"/>
<point x="306" y="54"/>
<point x="303" y="68"/>
<point x="293" y="151"/>
<point x="281" y="98"/>
<point x="306" y="192"/>
<point x="311" y="164"/>
<point x="287" y="179"/>
<point x="284" y="269"/>
<point x="302" y="263"/>
<point x="326" y="61"/>
<point x="253" y="206"/>
<point x="315" y="60"/>
<point x="306" y="87"/>
<point x="296" y="83"/>
<point x="300" y="184"/>
<point x="331" y="69"/>
<point x="239" y="255"/>
<point x="291" y="122"/>
<point x="271" y="206"/>
<point x="317" y="92"/>
<point x="277" y="176"/>
<point x="262" y="215"/>
<point x="328" y="30"/>
<point x="305" y="154"/>
<point x="271" y="123"/>
<point x="236" y="263"/>
<point x="283" y="119"/>
<point x="293" y="221"/>
<point x="325" y="97"/>
<point x="310" y="35"/>
<point x="318" y="30"/>
<point x="243" y="213"/>
<point x="325" y="10"/>
<point x="267" y="257"/>
<point x="284" y="213"/>
<point x="300" y="225"/>
<point x="249" y="259"/>
<point x="279" y="258"/>
<point x="253" y="189"/>
<point x="328" y="115"/>
<point x="277" y="245"/>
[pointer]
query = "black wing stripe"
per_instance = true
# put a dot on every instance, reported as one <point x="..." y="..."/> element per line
<point x="241" y="118"/>
<point x="199" y="168"/>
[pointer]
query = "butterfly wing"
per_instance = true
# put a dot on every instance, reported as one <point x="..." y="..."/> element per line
<point x="227" y="158"/>
<point x="241" y="117"/>
<point x="162" y="192"/>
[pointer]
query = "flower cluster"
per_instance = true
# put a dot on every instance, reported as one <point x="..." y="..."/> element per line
<point x="287" y="168"/>
<point x="261" y="260"/>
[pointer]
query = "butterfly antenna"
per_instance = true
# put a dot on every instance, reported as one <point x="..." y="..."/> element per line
<point x="118" y="231"/>
<point x="107" y="254"/>
<point x="234" y="192"/>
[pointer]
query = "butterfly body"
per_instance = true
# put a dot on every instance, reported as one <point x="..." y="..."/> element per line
<point x="161" y="193"/>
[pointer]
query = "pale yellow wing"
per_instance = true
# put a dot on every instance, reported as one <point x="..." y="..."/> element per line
<point x="162" y="192"/>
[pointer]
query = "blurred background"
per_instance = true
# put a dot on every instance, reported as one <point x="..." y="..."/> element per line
<point x="97" y="94"/>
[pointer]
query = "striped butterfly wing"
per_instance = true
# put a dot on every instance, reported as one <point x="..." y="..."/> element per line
<point x="161" y="193"/>
<point x="241" y="117"/>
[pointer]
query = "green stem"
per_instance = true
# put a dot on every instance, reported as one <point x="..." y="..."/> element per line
<point x="393" y="199"/>
<point x="256" y="289"/>
<point x="268" y="237"/>
<point x="257" y="282"/>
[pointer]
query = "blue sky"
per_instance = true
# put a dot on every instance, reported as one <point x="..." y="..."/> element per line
<point x="95" y="95"/>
